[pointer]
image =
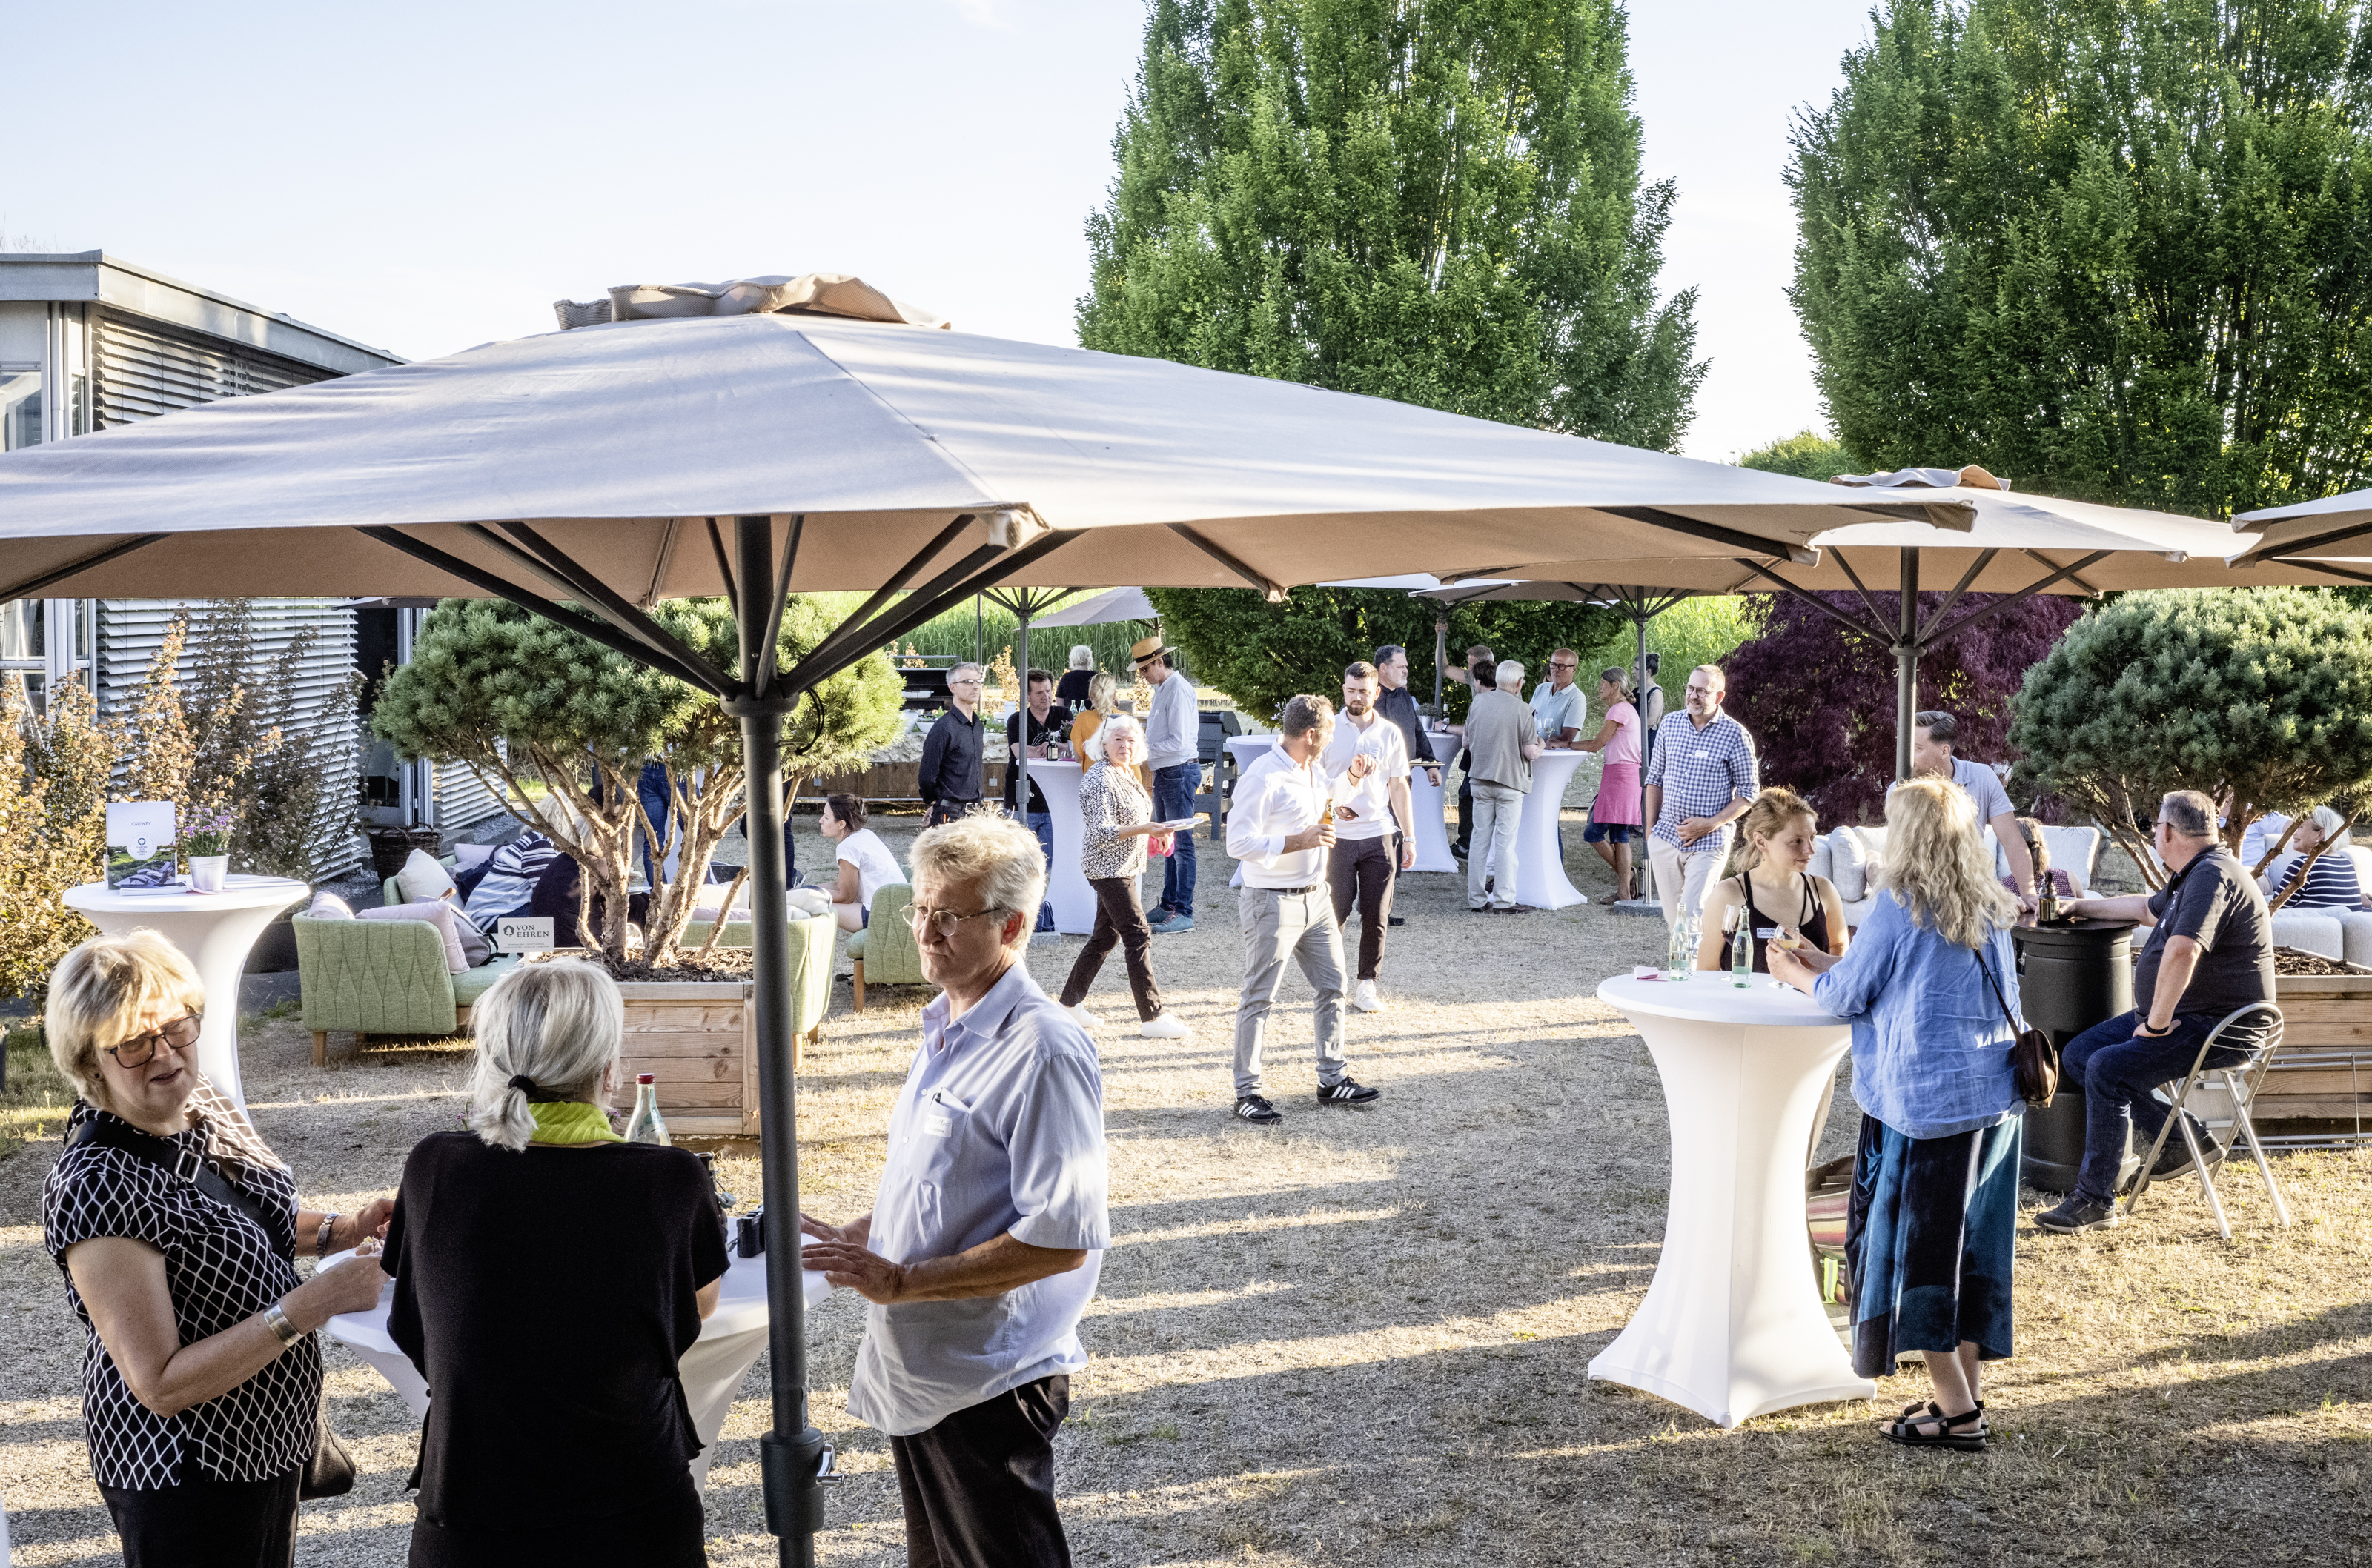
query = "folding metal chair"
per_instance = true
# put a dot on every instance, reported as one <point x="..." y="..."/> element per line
<point x="2240" y="1086"/>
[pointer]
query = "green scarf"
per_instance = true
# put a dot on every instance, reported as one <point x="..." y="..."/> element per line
<point x="571" y="1121"/>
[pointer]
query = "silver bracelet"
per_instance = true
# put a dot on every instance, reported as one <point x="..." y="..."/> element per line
<point x="276" y="1319"/>
<point x="321" y="1241"/>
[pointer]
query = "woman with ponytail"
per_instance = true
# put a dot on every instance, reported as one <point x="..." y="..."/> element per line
<point x="548" y="1277"/>
<point x="1774" y="891"/>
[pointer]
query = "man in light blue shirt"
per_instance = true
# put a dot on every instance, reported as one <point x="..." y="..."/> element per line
<point x="1173" y="747"/>
<point x="1558" y="707"/>
<point x="985" y="1241"/>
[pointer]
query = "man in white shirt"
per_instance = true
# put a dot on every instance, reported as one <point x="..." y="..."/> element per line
<point x="1558" y="707"/>
<point x="983" y="1246"/>
<point x="1374" y="834"/>
<point x="1933" y="734"/>
<point x="1173" y="750"/>
<point x="1277" y="830"/>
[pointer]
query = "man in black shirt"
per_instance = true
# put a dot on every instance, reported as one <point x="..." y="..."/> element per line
<point x="955" y="751"/>
<point x="2209" y="952"/>
<point x="1049" y="723"/>
<point x="1396" y="704"/>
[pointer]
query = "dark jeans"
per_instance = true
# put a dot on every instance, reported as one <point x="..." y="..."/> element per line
<point x="946" y="810"/>
<point x="1042" y="824"/>
<point x="1361" y="872"/>
<point x="1119" y="920"/>
<point x="651" y="789"/>
<point x="2116" y="1073"/>
<point x="207" y="1524"/>
<point x="1465" y="814"/>
<point x="979" y="1486"/>
<point x="1173" y="798"/>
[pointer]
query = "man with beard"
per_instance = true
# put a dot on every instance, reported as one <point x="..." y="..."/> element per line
<point x="1375" y="835"/>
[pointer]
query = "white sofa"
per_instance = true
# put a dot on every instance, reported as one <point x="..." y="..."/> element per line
<point x="1844" y="856"/>
<point x="2344" y="934"/>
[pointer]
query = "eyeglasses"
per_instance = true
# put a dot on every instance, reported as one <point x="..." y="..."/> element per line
<point x="944" y="922"/>
<point x="1556" y="664"/>
<point x="965" y="681"/>
<point x="141" y="1049"/>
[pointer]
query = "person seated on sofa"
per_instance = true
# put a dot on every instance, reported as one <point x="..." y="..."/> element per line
<point x="864" y="863"/>
<point x="2330" y="883"/>
<point x="2046" y="875"/>
<point x="557" y="896"/>
<point x="2210" y="953"/>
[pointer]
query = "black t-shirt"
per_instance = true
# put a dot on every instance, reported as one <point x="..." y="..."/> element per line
<point x="1056" y="728"/>
<point x="2215" y="902"/>
<point x="546" y="1294"/>
<point x="1071" y="690"/>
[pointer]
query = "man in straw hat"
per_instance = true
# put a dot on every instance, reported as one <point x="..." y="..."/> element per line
<point x="1173" y="744"/>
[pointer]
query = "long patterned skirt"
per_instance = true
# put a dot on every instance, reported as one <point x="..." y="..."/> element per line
<point x="1929" y="1240"/>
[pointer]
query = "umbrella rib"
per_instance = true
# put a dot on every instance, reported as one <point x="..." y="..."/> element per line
<point x="2027" y="592"/>
<point x="2335" y="571"/>
<point x="607" y="603"/>
<point x="1655" y="516"/>
<point x="2312" y="542"/>
<point x="1984" y="559"/>
<point x="1252" y="579"/>
<point x="725" y="570"/>
<point x="865" y="612"/>
<point x="659" y="566"/>
<point x="478" y="576"/>
<point x="2041" y="560"/>
<point x="101" y="558"/>
<point x="1868" y="603"/>
<point x="772" y="645"/>
<point x="1817" y="602"/>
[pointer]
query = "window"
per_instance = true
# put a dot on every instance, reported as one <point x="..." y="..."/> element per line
<point x="20" y="407"/>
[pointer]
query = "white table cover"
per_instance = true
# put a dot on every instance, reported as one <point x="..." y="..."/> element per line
<point x="1540" y="881"/>
<point x="1428" y="809"/>
<point x="1733" y="1325"/>
<point x="215" y="931"/>
<point x="730" y="1343"/>
<point x="1066" y="884"/>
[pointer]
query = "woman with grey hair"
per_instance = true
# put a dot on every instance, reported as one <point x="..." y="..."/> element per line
<point x="553" y="1357"/>
<point x="2331" y="882"/>
<point x="1116" y="824"/>
<point x="178" y="1230"/>
<point x="1072" y="690"/>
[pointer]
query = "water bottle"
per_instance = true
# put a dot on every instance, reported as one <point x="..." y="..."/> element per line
<point x="645" y="1125"/>
<point x="1741" y="953"/>
<point x="1678" y="954"/>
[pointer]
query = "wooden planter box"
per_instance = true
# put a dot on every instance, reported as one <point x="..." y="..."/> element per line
<point x="699" y="1038"/>
<point x="883" y="781"/>
<point x="2323" y="1070"/>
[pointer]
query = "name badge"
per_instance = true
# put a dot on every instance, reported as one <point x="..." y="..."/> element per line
<point x="1701" y="755"/>
<point x="939" y="1113"/>
<point x="1766" y="934"/>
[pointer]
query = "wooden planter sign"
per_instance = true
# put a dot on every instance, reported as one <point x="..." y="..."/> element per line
<point x="699" y="1038"/>
<point x="2323" y="1071"/>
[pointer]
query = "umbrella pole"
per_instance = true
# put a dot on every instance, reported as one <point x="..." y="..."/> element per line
<point x="1020" y="758"/>
<point x="791" y="1455"/>
<point x="1639" y="623"/>
<point x="1906" y="663"/>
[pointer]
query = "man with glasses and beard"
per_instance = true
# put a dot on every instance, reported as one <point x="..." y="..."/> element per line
<point x="1375" y="835"/>
<point x="1701" y="778"/>
<point x="985" y="1241"/>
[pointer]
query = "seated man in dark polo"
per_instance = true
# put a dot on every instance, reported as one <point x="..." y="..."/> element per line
<point x="2209" y="952"/>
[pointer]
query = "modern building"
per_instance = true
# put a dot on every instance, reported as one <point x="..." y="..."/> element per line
<point x="89" y="341"/>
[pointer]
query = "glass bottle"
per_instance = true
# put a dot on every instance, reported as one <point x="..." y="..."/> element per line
<point x="1678" y="954"/>
<point x="1741" y="953"/>
<point x="645" y="1125"/>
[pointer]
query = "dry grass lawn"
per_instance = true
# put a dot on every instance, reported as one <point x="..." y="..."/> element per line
<point x="1362" y="1338"/>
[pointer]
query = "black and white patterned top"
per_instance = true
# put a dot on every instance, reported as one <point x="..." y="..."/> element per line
<point x="1111" y="799"/>
<point x="220" y="1269"/>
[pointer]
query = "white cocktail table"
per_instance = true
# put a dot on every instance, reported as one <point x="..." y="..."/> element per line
<point x="215" y="931"/>
<point x="1066" y="884"/>
<point x="731" y="1341"/>
<point x="1428" y="809"/>
<point x="1540" y="881"/>
<point x="1733" y="1325"/>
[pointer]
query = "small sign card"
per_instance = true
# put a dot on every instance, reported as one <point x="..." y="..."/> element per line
<point x="523" y="934"/>
<point x="140" y="851"/>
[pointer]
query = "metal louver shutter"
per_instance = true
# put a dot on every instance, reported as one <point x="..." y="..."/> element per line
<point x="461" y="799"/>
<point x="144" y="369"/>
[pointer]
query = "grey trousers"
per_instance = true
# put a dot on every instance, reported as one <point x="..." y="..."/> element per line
<point x="1497" y="809"/>
<point x="1277" y="926"/>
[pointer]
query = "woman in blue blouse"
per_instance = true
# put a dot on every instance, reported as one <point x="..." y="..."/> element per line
<point x="1934" y="1202"/>
<point x="2331" y="882"/>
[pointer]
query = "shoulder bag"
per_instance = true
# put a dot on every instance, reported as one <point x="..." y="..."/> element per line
<point x="329" y="1472"/>
<point x="2032" y="1054"/>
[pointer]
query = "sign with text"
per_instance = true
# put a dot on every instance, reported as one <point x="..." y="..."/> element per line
<point x="523" y="934"/>
<point x="140" y="844"/>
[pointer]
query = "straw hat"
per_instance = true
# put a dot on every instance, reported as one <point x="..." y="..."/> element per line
<point x="1148" y="647"/>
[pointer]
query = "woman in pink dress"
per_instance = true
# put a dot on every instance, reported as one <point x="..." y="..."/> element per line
<point x="1617" y="814"/>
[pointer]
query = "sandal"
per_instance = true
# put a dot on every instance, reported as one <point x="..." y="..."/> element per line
<point x="1964" y="1433"/>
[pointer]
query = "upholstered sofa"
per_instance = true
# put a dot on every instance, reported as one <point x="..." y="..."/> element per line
<point x="1844" y="855"/>
<point x="382" y="976"/>
<point x="2344" y="934"/>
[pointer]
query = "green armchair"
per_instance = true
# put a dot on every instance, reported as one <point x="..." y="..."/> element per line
<point x="884" y="952"/>
<point x="382" y="976"/>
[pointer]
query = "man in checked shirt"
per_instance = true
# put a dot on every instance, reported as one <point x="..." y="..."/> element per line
<point x="1701" y="778"/>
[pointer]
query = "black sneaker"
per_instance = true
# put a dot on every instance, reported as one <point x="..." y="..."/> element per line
<point x="1347" y="1093"/>
<point x="1394" y="920"/>
<point x="2077" y="1214"/>
<point x="1256" y="1110"/>
<point x="2175" y="1159"/>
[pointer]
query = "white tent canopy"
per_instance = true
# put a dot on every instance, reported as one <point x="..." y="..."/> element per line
<point x="1113" y="604"/>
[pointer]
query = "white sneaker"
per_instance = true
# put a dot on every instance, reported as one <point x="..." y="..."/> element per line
<point x="1084" y="1019"/>
<point x="1164" y="1026"/>
<point x="1365" y="999"/>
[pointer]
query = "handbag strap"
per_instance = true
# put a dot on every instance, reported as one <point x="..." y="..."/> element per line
<point x="2015" y="1026"/>
<point x="179" y="1160"/>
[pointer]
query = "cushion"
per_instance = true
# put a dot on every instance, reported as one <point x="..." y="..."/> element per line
<point x="466" y="856"/>
<point x="857" y="944"/>
<point x="467" y="988"/>
<point x="511" y="875"/>
<point x="436" y="913"/>
<point x="476" y="947"/>
<point x="423" y="879"/>
<point x="329" y="906"/>
<point x="1849" y="866"/>
<point x="808" y="901"/>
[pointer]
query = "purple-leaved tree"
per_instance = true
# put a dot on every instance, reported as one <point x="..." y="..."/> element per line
<point x="1820" y="700"/>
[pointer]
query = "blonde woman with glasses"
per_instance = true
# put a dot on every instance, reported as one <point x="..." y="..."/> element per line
<point x="1930" y="984"/>
<point x="177" y="1229"/>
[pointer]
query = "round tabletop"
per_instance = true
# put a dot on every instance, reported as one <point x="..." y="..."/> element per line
<point x="1709" y="997"/>
<point x="238" y="893"/>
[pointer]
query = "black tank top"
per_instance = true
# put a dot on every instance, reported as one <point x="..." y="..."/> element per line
<point x="1811" y="921"/>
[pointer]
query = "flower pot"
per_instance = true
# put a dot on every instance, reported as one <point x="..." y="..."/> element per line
<point x="207" y="871"/>
<point x="698" y="1038"/>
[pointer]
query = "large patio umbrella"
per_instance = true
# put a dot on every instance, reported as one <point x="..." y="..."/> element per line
<point x="586" y="474"/>
<point x="2333" y="535"/>
<point x="2016" y="546"/>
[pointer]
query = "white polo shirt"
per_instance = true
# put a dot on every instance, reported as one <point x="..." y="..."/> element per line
<point x="1363" y="810"/>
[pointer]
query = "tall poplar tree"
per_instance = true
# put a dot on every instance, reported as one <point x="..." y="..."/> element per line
<point x="2119" y="249"/>
<point x="1436" y="201"/>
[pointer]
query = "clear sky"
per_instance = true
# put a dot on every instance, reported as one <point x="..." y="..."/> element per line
<point x="431" y="176"/>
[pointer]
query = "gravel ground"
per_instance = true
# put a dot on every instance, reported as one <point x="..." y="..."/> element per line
<point x="1362" y="1338"/>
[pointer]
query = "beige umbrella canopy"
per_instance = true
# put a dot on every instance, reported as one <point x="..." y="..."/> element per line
<point x="2334" y="534"/>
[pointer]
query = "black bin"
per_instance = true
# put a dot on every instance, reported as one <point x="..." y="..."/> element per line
<point x="2070" y="976"/>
